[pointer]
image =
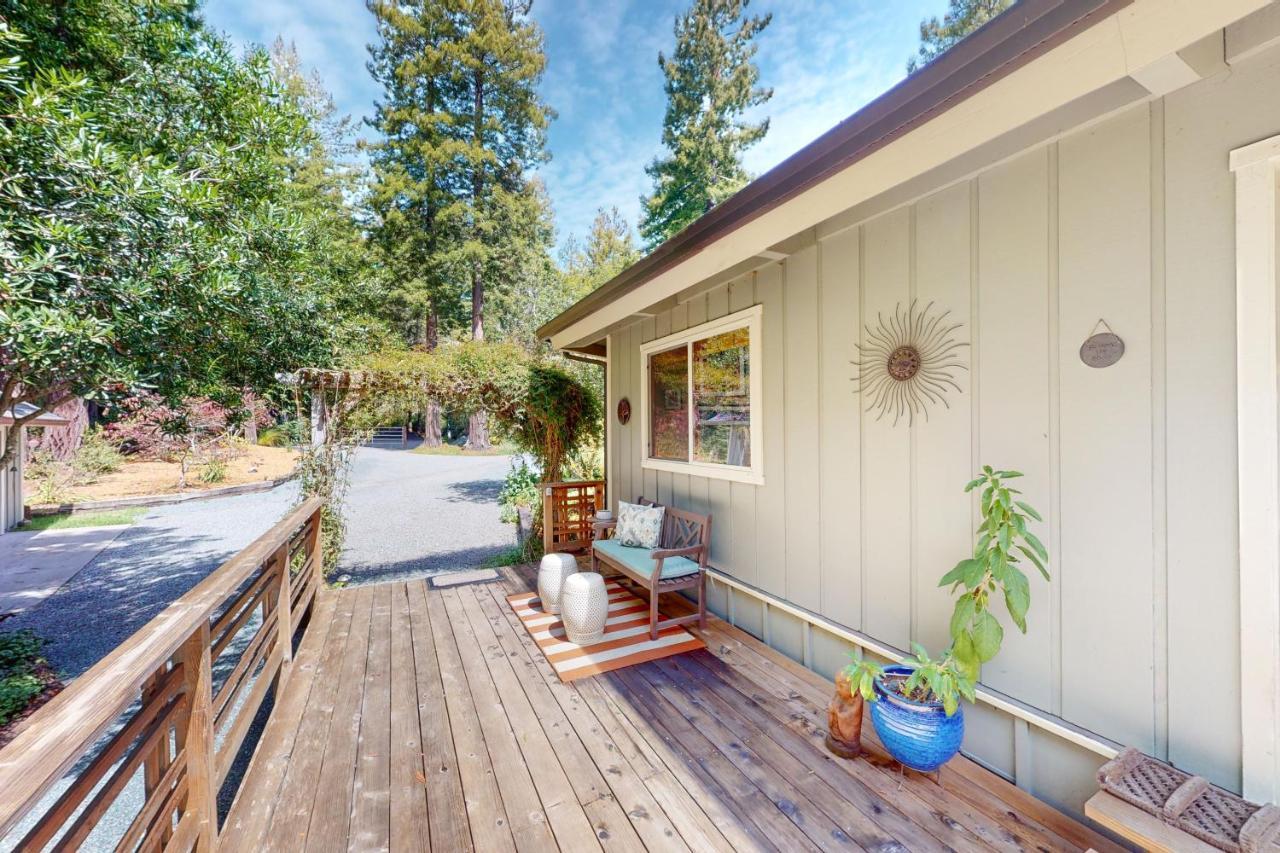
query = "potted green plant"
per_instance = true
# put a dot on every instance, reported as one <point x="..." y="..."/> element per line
<point x="921" y="723"/>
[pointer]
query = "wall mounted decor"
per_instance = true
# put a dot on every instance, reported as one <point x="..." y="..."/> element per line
<point x="908" y="362"/>
<point x="1102" y="349"/>
<point x="624" y="411"/>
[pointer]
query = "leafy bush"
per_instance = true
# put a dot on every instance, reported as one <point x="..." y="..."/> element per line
<point x="20" y="676"/>
<point x="96" y="456"/>
<point x="213" y="471"/>
<point x="274" y="437"/>
<point x="519" y="489"/>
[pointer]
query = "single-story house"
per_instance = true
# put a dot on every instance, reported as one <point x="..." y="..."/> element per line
<point x="1069" y="221"/>
<point x="11" y="501"/>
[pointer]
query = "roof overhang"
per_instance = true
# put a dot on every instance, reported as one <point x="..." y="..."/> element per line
<point x="1037" y="59"/>
<point x="22" y="410"/>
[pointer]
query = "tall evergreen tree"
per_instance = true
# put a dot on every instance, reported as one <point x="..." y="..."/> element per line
<point x="710" y="84"/>
<point x="464" y="124"/>
<point x="961" y="18"/>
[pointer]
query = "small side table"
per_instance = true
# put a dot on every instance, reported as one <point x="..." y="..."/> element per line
<point x="584" y="607"/>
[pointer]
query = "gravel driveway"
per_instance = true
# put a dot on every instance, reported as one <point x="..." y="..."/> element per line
<point x="411" y="514"/>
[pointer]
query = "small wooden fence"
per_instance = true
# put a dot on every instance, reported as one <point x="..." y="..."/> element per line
<point x="173" y="721"/>
<point x="567" y="512"/>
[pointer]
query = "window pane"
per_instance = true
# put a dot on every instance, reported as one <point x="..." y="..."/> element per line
<point x="669" y="406"/>
<point x="722" y="399"/>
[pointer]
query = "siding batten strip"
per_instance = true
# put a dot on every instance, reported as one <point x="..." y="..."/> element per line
<point x="1055" y="437"/>
<point x="1159" y="445"/>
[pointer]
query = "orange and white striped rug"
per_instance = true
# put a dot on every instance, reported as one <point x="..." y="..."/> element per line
<point x="625" y="641"/>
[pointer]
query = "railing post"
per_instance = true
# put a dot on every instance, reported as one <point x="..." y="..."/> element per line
<point x="159" y="760"/>
<point x="284" y="612"/>
<point x="195" y="737"/>
<point x="317" y="543"/>
<point x="548" y="520"/>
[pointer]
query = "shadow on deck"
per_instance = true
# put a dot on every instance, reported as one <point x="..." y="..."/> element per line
<point x="417" y="718"/>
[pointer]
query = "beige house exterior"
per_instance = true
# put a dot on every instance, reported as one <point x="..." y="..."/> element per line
<point x="1103" y="166"/>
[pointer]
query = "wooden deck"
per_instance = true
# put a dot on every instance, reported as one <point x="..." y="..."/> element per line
<point x="427" y="719"/>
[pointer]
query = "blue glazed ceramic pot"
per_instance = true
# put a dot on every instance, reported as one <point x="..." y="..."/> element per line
<point x="919" y="734"/>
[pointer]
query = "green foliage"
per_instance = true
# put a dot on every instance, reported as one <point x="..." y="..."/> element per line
<point x="97" y="456"/>
<point x="944" y="681"/>
<point x="540" y="407"/>
<point x="213" y="471"/>
<point x="458" y="219"/>
<point x="20" y="665"/>
<point x="275" y="437"/>
<point x="710" y="83"/>
<point x="1004" y="539"/>
<point x="519" y="489"/>
<point x="155" y="227"/>
<point x="862" y="674"/>
<point x="325" y="471"/>
<point x="508" y="557"/>
<point x="961" y="18"/>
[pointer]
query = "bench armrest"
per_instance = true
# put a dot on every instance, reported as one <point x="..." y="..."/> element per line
<point x="599" y="529"/>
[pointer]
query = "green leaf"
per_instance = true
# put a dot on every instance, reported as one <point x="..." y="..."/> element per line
<point x="966" y="607"/>
<point x="987" y="636"/>
<point x="1031" y="555"/>
<point x="1017" y="597"/>
<point x="1003" y="538"/>
<point x="1037" y="545"/>
<point x="1029" y="510"/>
<point x="1008" y="475"/>
<point x="974" y="483"/>
<point x="956" y="575"/>
<point x="965" y="655"/>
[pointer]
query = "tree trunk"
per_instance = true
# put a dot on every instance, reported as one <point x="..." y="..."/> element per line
<point x="432" y="434"/>
<point x="478" y="423"/>
<point x="251" y="427"/>
<point x="478" y="431"/>
<point x="63" y="442"/>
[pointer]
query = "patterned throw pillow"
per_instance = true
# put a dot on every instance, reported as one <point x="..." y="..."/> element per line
<point x="638" y="526"/>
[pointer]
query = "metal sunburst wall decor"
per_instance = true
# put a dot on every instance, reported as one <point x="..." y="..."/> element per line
<point x="908" y="362"/>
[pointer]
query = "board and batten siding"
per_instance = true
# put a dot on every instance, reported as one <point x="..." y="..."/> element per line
<point x="1128" y="221"/>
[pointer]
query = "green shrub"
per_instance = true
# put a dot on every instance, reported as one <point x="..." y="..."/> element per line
<point x="274" y="437"/>
<point x="96" y="456"/>
<point x="520" y="488"/>
<point x="213" y="471"/>
<point x="16" y="692"/>
<point x="19" y="680"/>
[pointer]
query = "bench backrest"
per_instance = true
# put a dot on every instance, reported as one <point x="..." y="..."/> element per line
<point x="683" y="529"/>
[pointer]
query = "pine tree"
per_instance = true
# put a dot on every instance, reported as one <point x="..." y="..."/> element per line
<point x="463" y="124"/>
<point x="710" y="83"/>
<point x="961" y="18"/>
<point x="610" y="248"/>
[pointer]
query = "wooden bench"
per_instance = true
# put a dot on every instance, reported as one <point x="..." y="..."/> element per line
<point x="679" y="562"/>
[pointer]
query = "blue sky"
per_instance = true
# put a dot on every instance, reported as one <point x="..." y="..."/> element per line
<point x="823" y="58"/>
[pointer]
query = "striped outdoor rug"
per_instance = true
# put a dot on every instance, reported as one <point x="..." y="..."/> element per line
<point x="625" y="641"/>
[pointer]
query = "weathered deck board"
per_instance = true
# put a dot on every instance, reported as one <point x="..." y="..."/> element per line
<point x="423" y="719"/>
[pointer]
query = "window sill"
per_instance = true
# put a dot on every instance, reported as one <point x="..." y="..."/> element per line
<point x="710" y="471"/>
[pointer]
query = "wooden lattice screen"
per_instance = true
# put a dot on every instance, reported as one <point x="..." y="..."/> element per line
<point x="567" y="512"/>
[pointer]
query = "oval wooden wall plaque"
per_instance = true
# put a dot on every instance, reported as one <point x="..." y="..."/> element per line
<point x="1102" y="350"/>
<point x="624" y="411"/>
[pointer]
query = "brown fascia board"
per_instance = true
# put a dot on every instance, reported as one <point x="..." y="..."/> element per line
<point x="1004" y="44"/>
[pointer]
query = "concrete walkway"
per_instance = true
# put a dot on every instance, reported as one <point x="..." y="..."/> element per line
<point x="34" y="564"/>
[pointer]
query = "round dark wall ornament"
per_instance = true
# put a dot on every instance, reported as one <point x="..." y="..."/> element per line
<point x="1102" y="349"/>
<point x="624" y="411"/>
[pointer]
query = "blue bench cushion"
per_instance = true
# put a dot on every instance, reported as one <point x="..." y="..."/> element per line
<point x="639" y="561"/>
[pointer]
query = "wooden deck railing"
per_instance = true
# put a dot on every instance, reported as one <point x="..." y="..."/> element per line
<point x="158" y="688"/>
<point x="567" y="510"/>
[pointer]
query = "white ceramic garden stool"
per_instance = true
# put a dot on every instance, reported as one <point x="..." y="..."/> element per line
<point x="584" y="606"/>
<point x="552" y="572"/>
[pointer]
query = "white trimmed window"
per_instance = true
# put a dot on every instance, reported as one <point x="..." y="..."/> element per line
<point x="700" y="400"/>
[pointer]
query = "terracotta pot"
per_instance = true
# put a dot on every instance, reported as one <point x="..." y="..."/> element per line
<point x="844" y="719"/>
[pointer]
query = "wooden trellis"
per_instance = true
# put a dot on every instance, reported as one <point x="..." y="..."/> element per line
<point x="567" y="512"/>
